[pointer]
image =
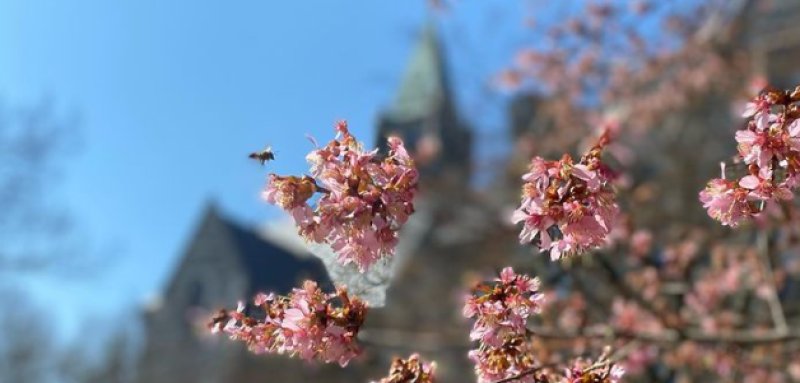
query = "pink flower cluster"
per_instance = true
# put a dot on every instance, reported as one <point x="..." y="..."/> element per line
<point x="630" y="317"/>
<point x="601" y="372"/>
<point x="570" y="207"/>
<point x="306" y="323"/>
<point x="411" y="370"/>
<point x="364" y="201"/>
<point x="770" y="147"/>
<point x="501" y="312"/>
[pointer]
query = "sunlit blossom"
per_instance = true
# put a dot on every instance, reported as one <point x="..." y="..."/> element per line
<point x="354" y="200"/>
<point x="411" y="370"/>
<point x="569" y="207"/>
<point x="306" y="323"/>
<point x="770" y="147"/>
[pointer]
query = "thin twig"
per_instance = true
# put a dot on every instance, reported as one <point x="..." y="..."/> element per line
<point x="525" y="373"/>
<point x="617" y="280"/>
<point x="775" y="307"/>
<point x="437" y="339"/>
<point x="741" y="337"/>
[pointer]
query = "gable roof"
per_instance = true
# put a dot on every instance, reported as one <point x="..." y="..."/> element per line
<point x="267" y="266"/>
<point x="270" y="267"/>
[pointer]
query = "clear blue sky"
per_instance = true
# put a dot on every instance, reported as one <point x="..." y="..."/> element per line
<point x="173" y="94"/>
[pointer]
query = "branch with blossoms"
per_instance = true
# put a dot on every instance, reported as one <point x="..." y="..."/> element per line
<point x="769" y="146"/>
<point x="356" y="201"/>
<point x="364" y="200"/>
<point x="411" y="370"/>
<point x="696" y="307"/>
<point x="572" y="201"/>
<point x="501" y="311"/>
<point x="605" y="370"/>
<point x="644" y="58"/>
<point x="701" y="306"/>
<point x="307" y="323"/>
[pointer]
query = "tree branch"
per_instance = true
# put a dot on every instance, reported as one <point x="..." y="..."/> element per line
<point x="775" y="307"/>
<point x="741" y="338"/>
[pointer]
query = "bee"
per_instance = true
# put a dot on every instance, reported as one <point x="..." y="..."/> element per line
<point x="263" y="156"/>
<point x="219" y="320"/>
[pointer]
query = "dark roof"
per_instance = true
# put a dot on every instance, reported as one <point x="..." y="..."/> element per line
<point x="267" y="266"/>
<point x="271" y="267"/>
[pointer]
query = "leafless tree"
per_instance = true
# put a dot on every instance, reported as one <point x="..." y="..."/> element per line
<point x="26" y="346"/>
<point x="112" y="363"/>
<point x="34" y="143"/>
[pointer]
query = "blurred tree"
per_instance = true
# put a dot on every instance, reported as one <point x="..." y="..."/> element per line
<point x="637" y="62"/>
<point x="29" y="352"/>
<point x="33" y="144"/>
<point x="113" y="364"/>
<point x="26" y="347"/>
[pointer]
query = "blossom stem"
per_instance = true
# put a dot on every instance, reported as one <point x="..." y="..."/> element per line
<point x="618" y="281"/>
<point x="525" y="373"/>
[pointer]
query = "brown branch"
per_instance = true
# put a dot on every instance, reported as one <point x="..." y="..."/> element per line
<point x="775" y="307"/>
<point x="605" y="361"/>
<point x="557" y="334"/>
<point x="617" y="280"/>
<point x="525" y="373"/>
<point x="741" y="338"/>
<point x="435" y="339"/>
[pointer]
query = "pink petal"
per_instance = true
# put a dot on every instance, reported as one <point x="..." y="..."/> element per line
<point x="750" y="182"/>
<point x="519" y="215"/>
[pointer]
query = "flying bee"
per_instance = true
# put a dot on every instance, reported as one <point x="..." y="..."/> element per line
<point x="263" y="156"/>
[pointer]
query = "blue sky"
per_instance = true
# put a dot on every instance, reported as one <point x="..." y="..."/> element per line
<point x="172" y="95"/>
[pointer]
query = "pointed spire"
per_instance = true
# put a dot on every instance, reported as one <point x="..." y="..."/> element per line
<point x="424" y="86"/>
<point x="424" y="116"/>
<point x="211" y="211"/>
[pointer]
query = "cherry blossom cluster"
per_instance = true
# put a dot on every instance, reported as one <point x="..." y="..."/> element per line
<point x="411" y="370"/>
<point x="600" y="372"/>
<point x="363" y="201"/>
<point x="770" y="147"/>
<point x="306" y="323"/>
<point x="630" y="317"/>
<point x="501" y="312"/>
<point x="571" y="207"/>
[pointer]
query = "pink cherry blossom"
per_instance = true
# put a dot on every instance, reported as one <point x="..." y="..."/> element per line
<point x="501" y="311"/>
<point x="569" y="207"/>
<point x="770" y="146"/>
<point x="306" y="323"/>
<point x="726" y="202"/>
<point x="411" y="370"/>
<point x="363" y="199"/>
<point x="583" y="372"/>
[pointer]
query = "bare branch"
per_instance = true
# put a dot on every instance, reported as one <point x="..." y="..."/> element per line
<point x="775" y="307"/>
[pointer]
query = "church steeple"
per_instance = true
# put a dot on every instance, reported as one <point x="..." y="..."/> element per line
<point x="424" y="86"/>
<point x="424" y="115"/>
